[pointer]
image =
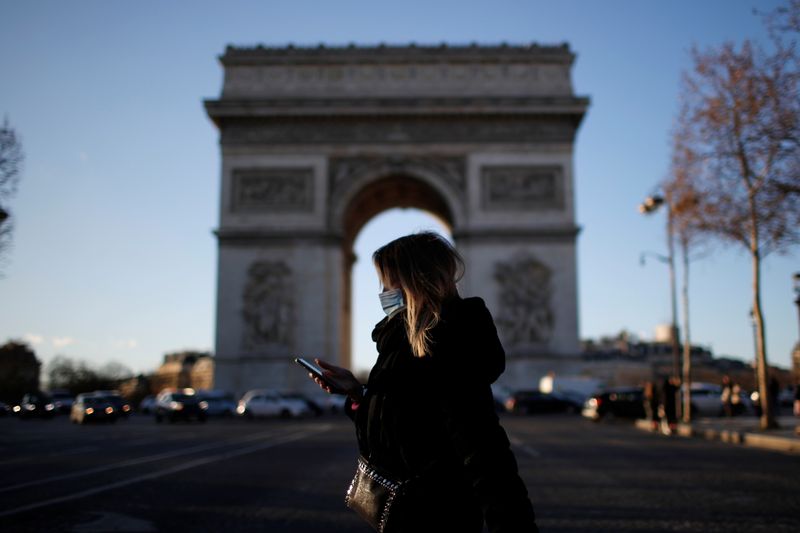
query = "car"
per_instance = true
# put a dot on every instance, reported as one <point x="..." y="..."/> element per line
<point x="89" y="407"/>
<point x="148" y="404"/>
<point x="534" y="401"/>
<point x="35" y="405"/>
<point x="62" y="400"/>
<point x="314" y="406"/>
<point x="182" y="404"/>
<point x="220" y="402"/>
<point x="267" y="403"/>
<point x="620" y="402"/>
<point x="500" y="394"/>
<point x="706" y="399"/>
<point x="121" y="405"/>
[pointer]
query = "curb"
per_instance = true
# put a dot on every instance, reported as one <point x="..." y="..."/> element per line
<point x="786" y="444"/>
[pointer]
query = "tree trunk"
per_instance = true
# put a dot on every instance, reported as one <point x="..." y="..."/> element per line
<point x="767" y="416"/>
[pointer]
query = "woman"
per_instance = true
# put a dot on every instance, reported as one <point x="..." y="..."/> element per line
<point x="427" y="411"/>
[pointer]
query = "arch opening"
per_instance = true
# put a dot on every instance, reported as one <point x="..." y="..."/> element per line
<point x="383" y="210"/>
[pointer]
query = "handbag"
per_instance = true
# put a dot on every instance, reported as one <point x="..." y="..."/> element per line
<point x="373" y="495"/>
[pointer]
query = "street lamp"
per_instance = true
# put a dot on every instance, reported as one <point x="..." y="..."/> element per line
<point x="649" y="206"/>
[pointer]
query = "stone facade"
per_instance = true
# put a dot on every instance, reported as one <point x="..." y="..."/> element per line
<point x="317" y="141"/>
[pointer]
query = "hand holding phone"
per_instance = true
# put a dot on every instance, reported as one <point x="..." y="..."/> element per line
<point x="329" y="381"/>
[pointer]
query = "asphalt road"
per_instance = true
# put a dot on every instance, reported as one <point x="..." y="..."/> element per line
<point x="290" y="476"/>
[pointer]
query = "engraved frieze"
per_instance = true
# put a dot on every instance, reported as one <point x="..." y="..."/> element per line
<point x="267" y="306"/>
<point x="343" y="171"/>
<point x="273" y="189"/>
<point x="525" y="316"/>
<point x="452" y="129"/>
<point x="521" y="188"/>
<point x="521" y="79"/>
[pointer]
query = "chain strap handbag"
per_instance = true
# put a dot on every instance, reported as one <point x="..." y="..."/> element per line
<point x="372" y="495"/>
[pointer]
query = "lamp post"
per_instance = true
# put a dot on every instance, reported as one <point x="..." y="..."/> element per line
<point x="650" y="205"/>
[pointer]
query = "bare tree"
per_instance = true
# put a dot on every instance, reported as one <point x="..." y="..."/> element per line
<point x="683" y="201"/>
<point x="11" y="159"/>
<point x="739" y="121"/>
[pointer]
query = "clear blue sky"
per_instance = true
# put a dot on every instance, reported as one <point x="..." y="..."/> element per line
<point x="113" y="254"/>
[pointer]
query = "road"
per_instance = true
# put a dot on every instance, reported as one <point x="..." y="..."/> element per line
<point x="290" y="476"/>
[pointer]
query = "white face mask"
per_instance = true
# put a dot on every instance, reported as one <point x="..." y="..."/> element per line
<point x="392" y="301"/>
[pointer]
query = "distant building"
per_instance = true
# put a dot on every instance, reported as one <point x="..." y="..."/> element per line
<point x="184" y="369"/>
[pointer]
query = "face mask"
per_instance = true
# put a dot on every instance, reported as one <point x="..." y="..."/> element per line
<point x="392" y="301"/>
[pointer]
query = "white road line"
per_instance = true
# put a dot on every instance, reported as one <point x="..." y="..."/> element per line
<point x="137" y="461"/>
<point x="524" y="447"/>
<point x="160" y="473"/>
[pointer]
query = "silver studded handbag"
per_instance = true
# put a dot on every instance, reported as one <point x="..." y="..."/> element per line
<point x="372" y="495"/>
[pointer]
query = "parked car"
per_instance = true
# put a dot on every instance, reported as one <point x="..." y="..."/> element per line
<point x="62" y="400"/>
<point x="147" y="405"/>
<point x="35" y="405"/>
<point x="315" y="407"/>
<point x="266" y="403"/>
<point x="622" y="402"/>
<point x="219" y="402"/>
<point x="501" y="395"/>
<point x="89" y="407"/>
<point x="121" y="405"/>
<point x="180" y="405"/>
<point x="706" y="399"/>
<point x="531" y="402"/>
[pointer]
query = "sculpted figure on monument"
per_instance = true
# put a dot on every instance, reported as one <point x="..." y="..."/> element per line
<point x="267" y="305"/>
<point x="525" y="316"/>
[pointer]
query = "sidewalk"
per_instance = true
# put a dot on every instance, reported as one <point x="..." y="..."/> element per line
<point x="740" y="430"/>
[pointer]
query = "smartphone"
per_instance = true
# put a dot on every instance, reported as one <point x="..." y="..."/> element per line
<point x="317" y="372"/>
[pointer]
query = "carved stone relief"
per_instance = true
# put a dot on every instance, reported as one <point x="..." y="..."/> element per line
<point x="273" y="189"/>
<point x="526" y="315"/>
<point x="343" y="170"/>
<point x="267" y="306"/>
<point x="521" y="188"/>
<point x="476" y="78"/>
<point x="305" y="131"/>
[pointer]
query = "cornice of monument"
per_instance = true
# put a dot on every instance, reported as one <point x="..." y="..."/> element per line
<point x="396" y="54"/>
<point x="537" y="105"/>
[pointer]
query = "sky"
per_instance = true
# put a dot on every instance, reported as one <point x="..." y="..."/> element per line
<point x="114" y="258"/>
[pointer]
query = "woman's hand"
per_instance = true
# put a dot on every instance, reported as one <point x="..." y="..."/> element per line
<point x="340" y="378"/>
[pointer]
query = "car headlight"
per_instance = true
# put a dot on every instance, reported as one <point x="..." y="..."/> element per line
<point x="17" y="409"/>
<point x="49" y="407"/>
<point x="126" y="407"/>
<point x="175" y="406"/>
<point x="203" y="405"/>
<point x="240" y="409"/>
<point x="109" y="410"/>
<point x="89" y="410"/>
<point x="30" y="407"/>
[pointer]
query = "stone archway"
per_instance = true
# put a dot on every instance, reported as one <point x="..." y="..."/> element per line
<point x="378" y="195"/>
<point x="316" y="141"/>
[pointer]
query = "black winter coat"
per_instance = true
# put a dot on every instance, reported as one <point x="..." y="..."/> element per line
<point x="433" y="417"/>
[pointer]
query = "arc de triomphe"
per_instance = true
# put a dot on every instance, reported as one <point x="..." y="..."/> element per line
<point x="316" y="141"/>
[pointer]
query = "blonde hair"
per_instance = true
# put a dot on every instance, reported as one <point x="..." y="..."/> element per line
<point x="426" y="267"/>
